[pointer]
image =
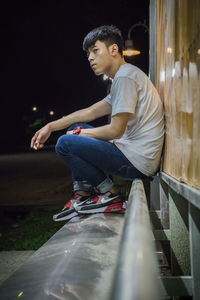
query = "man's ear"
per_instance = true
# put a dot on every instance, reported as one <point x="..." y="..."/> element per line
<point x="113" y="49"/>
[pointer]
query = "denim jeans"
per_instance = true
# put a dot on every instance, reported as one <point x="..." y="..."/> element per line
<point x="90" y="160"/>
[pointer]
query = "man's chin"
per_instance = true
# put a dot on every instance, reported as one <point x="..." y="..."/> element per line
<point x="97" y="73"/>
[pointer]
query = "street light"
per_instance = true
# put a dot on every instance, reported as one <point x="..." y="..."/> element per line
<point x="129" y="47"/>
<point x="51" y="113"/>
<point x="34" y="108"/>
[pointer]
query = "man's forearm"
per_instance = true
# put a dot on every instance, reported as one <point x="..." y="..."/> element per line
<point x="105" y="133"/>
<point x="91" y="113"/>
<point x="114" y="130"/>
<point x="83" y="115"/>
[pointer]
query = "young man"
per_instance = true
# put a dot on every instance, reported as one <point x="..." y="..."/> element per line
<point x="129" y="147"/>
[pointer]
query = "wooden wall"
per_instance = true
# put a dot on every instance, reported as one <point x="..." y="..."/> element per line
<point x="178" y="83"/>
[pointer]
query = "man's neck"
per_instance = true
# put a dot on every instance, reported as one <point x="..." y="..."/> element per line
<point x="115" y="67"/>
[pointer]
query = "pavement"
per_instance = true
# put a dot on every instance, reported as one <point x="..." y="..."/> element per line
<point x="28" y="179"/>
<point x="33" y="178"/>
<point x="10" y="261"/>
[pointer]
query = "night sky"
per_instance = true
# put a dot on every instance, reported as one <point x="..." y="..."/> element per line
<point x="43" y="64"/>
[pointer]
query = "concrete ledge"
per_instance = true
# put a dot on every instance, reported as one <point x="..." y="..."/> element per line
<point x="76" y="263"/>
<point x="10" y="261"/>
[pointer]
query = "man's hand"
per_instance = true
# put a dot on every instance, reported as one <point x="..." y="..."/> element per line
<point x="69" y="132"/>
<point x="40" y="137"/>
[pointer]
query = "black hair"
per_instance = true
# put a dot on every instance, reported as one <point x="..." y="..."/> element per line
<point x="108" y="34"/>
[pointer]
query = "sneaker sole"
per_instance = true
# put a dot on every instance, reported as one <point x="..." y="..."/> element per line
<point x="118" y="207"/>
<point x="66" y="217"/>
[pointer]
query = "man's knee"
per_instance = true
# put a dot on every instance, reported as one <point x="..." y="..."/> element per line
<point x="64" y="144"/>
<point x="59" y="148"/>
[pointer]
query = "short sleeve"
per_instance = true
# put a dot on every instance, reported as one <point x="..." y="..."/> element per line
<point x="123" y="96"/>
<point x="108" y="99"/>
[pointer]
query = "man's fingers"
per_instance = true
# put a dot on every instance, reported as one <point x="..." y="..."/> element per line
<point x="39" y="138"/>
<point x="69" y="132"/>
<point x="33" y="140"/>
<point x="40" y="145"/>
<point x="37" y="145"/>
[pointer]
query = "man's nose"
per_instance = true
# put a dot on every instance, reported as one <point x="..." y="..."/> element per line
<point x="90" y="57"/>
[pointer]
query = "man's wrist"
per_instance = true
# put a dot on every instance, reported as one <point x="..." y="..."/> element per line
<point x="51" y="126"/>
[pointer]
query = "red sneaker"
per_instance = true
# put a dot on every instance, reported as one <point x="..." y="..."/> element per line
<point x="106" y="203"/>
<point x="69" y="210"/>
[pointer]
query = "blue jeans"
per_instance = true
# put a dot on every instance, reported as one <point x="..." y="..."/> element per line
<point x="90" y="160"/>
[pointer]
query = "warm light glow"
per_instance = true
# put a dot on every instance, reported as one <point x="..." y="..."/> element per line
<point x="51" y="113"/>
<point x="162" y="76"/>
<point x="34" y="108"/>
<point x="198" y="51"/>
<point x="169" y="50"/>
<point x="131" y="52"/>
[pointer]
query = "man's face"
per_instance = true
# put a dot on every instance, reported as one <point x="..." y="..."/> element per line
<point x="100" y="58"/>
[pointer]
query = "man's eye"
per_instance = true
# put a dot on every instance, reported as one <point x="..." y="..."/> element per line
<point x="95" y="50"/>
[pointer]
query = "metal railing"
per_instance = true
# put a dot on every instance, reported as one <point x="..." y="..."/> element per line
<point x="136" y="275"/>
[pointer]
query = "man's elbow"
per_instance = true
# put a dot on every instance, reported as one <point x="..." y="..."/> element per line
<point x="117" y="133"/>
<point x="118" y="136"/>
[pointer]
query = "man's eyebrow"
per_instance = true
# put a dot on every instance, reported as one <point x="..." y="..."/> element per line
<point x="90" y="49"/>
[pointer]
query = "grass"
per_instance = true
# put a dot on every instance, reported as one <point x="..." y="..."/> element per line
<point x="37" y="226"/>
<point x="32" y="231"/>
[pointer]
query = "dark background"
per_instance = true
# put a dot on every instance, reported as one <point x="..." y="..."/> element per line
<point x="43" y="65"/>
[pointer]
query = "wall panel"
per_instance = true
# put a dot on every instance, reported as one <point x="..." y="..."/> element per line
<point x="178" y="82"/>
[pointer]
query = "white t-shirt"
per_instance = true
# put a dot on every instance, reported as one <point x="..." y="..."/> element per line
<point x="133" y="92"/>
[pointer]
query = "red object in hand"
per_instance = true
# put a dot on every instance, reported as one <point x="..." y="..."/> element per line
<point x="77" y="130"/>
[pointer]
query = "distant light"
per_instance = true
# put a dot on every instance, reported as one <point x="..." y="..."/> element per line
<point x="198" y="51"/>
<point x="34" y="108"/>
<point x="169" y="50"/>
<point x="130" y="52"/>
<point x="51" y="113"/>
